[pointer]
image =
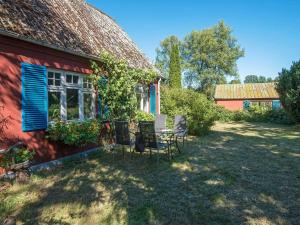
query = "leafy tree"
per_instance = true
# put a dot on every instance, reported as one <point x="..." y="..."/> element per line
<point x="237" y="81"/>
<point x="163" y="55"/>
<point x="175" y="68"/>
<point x="288" y="87"/>
<point x="251" y="79"/>
<point x="257" y="79"/>
<point x="210" y="56"/>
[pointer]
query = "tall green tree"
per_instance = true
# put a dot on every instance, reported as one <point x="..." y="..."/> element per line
<point x="175" y="68"/>
<point x="163" y="55"/>
<point x="210" y="56"/>
<point x="288" y="87"/>
<point x="257" y="79"/>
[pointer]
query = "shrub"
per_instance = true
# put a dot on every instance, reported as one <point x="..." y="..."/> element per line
<point x="199" y="111"/>
<point x="16" y="155"/>
<point x="143" y="116"/>
<point x="254" y="114"/>
<point x="288" y="87"/>
<point x="75" y="133"/>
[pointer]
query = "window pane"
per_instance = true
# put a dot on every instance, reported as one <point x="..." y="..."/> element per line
<point x="75" y="79"/>
<point x="145" y="99"/>
<point x="57" y="76"/>
<point x="50" y="75"/>
<point x="57" y="82"/>
<point x="50" y="81"/>
<point x="69" y="78"/>
<point x="54" y="106"/>
<point x="87" y="99"/>
<point x="138" y="101"/>
<point x="72" y="104"/>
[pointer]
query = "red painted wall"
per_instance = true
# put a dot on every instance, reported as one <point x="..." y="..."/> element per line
<point x="232" y="105"/>
<point x="12" y="53"/>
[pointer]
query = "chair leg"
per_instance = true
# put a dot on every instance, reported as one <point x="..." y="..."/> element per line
<point x="177" y="146"/>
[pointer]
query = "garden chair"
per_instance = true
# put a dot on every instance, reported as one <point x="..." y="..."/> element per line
<point x="123" y="136"/>
<point x="160" y="123"/>
<point x="180" y="129"/>
<point x="152" y="140"/>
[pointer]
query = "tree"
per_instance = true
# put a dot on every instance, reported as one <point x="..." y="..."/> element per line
<point x="237" y="81"/>
<point x="210" y="56"/>
<point x="163" y="54"/>
<point x="257" y="79"/>
<point x="251" y="79"/>
<point x="175" y="68"/>
<point x="288" y="88"/>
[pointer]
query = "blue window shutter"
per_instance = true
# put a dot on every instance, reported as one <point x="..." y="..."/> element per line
<point x="246" y="104"/>
<point x="34" y="97"/>
<point x="152" y="99"/>
<point x="276" y="104"/>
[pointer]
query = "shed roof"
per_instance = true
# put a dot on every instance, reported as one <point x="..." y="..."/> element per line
<point x="246" y="91"/>
<point x="71" y="25"/>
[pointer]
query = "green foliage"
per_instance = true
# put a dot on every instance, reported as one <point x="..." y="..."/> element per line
<point x="288" y="87"/>
<point x="210" y="55"/>
<point x="163" y="55"/>
<point x="143" y="116"/>
<point x="16" y="156"/>
<point x="118" y="94"/>
<point x="257" y="79"/>
<point x="199" y="111"/>
<point x="175" y="68"/>
<point x="237" y="81"/>
<point x="75" y="133"/>
<point x="254" y="114"/>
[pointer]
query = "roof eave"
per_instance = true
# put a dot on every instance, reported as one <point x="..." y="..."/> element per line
<point x="41" y="43"/>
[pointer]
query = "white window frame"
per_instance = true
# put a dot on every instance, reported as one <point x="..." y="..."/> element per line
<point x="63" y="94"/>
<point x="144" y="97"/>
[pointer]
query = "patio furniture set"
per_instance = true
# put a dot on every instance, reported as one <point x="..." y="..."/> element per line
<point x="152" y="135"/>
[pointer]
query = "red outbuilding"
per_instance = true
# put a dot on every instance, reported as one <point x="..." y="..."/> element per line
<point x="240" y="96"/>
<point x="45" y="52"/>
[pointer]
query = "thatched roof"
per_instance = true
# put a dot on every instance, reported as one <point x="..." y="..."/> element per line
<point x="71" y="25"/>
<point x="246" y="91"/>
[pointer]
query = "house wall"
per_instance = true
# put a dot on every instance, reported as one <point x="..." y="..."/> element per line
<point x="237" y="104"/>
<point x="233" y="105"/>
<point x="12" y="53"/>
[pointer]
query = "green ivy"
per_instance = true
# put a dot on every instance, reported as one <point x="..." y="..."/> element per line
<point x="118" y="93"/>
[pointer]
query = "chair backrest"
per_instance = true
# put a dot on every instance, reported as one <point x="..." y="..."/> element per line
<point x="180" y="125"/>
<point x="160" y="122"/>
<point x="147" y="130"/>
<point x="122" y="132"/>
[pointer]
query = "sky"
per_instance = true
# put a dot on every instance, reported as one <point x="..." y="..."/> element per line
<point x="268" y="30"/>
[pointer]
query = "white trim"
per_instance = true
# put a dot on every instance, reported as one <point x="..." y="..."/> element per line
<point x="63" y="94"/>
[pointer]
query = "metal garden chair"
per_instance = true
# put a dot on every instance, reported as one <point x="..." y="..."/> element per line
<point x="152" y="140"/>
<point x="160" y="123"/>
<point x="123" y="136"/>
<point x="180" y="129"/>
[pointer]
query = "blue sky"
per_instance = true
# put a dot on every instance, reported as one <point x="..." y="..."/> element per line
<point x="268" y="30"/>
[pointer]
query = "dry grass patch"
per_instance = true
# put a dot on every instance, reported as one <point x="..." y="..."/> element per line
<point x="242" y="173"/>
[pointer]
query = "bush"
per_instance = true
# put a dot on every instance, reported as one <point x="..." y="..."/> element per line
<point x="199" y="111"/>
<point x="143" y="116"/>
<point x="254" y="114"/>
<point x="16" y="156"/>
<point x="75" y="133"/>
<point x="288" y="87"/>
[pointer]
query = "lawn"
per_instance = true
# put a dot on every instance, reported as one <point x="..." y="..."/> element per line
<point x="241" y="173"/>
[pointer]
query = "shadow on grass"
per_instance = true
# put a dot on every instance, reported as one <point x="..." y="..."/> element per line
<point x="223" y="178"/>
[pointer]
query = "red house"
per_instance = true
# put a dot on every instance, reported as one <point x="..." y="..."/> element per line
<point x="240" y="96"/>
<point x="45" y="52"/>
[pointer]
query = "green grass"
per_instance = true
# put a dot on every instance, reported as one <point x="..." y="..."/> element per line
<point x="242" y="173"/>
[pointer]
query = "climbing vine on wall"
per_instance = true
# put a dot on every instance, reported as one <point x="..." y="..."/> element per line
<point x="115" y="82"/>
